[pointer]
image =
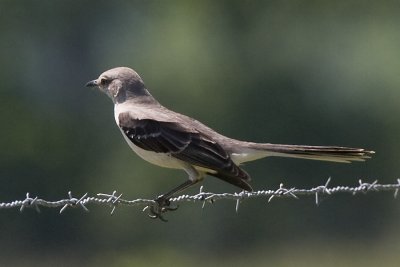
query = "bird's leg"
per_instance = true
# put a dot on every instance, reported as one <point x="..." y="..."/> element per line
<point x="163" y="203"/>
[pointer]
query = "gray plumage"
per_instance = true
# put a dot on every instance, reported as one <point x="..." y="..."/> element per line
<point x="170" y="139"/>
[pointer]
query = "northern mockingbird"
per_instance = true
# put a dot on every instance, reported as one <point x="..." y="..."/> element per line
<point x="172" y="140"/>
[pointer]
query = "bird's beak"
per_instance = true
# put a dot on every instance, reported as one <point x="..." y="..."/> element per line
<point x="91" y="83"/>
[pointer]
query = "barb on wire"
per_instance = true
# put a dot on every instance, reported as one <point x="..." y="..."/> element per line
<point x="114" y="200"/>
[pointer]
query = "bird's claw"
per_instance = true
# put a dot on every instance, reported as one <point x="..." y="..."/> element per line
<point x="161" y="206"/>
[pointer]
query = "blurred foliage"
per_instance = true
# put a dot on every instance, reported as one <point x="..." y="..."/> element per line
<point x="304" y="72"/>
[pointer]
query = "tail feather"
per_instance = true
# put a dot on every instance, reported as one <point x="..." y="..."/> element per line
<point x="323" y="153"/>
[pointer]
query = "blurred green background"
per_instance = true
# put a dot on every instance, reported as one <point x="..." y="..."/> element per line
<point x="295" y="72"/>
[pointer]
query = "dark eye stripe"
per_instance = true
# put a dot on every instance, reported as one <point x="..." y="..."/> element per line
<point x="103" y="81"/>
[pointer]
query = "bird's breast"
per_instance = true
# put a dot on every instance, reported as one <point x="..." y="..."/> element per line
<point x="160" y="159"/>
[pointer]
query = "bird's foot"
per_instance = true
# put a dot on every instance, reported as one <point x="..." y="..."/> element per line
<point x="161" y="206"/>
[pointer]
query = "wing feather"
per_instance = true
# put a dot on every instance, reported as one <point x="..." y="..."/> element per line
<point x="187" y="145"/>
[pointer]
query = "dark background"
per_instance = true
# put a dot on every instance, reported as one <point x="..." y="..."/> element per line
<point x="296" y="72"/>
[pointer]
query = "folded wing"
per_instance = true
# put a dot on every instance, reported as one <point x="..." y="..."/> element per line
<point x="189" y="146"/>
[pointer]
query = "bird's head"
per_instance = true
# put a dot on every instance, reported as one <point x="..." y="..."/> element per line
<point x="120" y="84"/>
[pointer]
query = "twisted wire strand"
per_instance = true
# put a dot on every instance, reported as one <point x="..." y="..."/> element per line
<point x="113" y="200"/>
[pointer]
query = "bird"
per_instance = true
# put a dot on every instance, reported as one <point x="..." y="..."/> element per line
<point x="172" y="140"/>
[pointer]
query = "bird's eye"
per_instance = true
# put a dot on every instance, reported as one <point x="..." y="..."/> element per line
<point x="103" y="81"/>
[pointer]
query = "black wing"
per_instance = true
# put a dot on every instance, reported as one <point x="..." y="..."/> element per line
<point x="192" y="147"/>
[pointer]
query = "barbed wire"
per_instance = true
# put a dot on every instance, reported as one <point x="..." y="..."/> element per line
<point x="113" y="200"/>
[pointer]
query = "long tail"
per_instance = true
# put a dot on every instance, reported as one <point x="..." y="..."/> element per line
<point x="324" y="153"/>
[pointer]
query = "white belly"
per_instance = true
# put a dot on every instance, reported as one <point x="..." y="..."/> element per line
<point x="160" y="159"/>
